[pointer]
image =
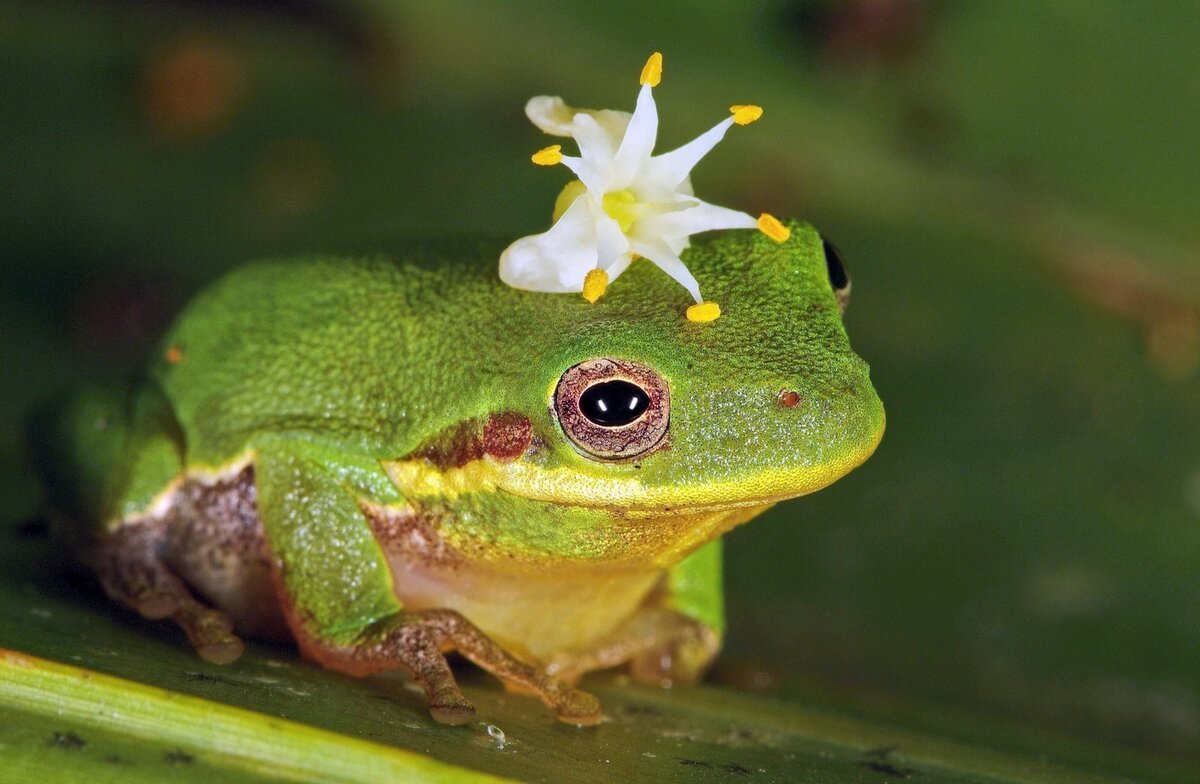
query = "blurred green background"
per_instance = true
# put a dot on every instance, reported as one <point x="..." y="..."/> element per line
<point x="1014" y="185"/>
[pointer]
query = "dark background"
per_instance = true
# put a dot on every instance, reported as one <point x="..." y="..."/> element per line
<point x="1014" y="185"/>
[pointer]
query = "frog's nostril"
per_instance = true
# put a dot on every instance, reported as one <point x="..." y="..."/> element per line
<point x="789" y="398"/>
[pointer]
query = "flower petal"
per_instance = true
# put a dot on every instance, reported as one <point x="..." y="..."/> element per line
<point x="639" y="140"/>
<point x="672" y="168"/>
<point x="700" y="217"/>
<point x="594" y="178"/>
<point x="677" y="244"/>
<point x="644" y="210"/>
<point x="620" y="265"/>
<point x="596" y="145"/>
<point x="611" y="242"/>
<point x="551" y="114"/>
<point x="556" y="260"/>
<point x="614" y="122"/>
<point x="658" y="252"/>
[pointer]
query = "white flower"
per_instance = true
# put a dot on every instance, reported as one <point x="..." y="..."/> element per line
<point x="626" y="202"/>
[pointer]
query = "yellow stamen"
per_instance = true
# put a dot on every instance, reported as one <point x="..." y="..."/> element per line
<point x="548" y="156"/>
<point x="768" y="224"/>
<point x="703" y="311"/>
<point x="567" y="196"/>
<point x="652" y="70"/>
<point x="745" y="114"/>
<point x="594" y="284"/>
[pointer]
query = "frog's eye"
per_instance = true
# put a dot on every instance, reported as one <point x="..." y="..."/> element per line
<point x="614" y="403"/>
<point x="613" y="409"/>
<point x="839" y="277"/>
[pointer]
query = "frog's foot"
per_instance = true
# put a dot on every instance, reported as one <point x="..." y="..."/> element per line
<point x="132" y="572"/>
<point x="417" y="642"/>
<point x="661" y="646"/>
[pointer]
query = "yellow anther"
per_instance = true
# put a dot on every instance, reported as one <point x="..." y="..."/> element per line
<point x="704" y="311"/>
<point x="548" y="156"/>
<point x="652" y="70"/>
<point x="594" y="284"/>
<point x="768" y="224"/>
<point x="745" y="114"/>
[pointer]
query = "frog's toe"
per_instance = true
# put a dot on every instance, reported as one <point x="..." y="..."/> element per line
<point x="211" y="632"/>
<point x="682" y="660"/>
<point x="447" y="705"/>
<point x="573" y="706"/>
<point x="569" y="704"/>
<point x="155" y="606"/>
<point x="451" y="707"/>
<point x="223" y="651"/>
<point x="417" y="641"/>
<point x="583" y="719"/>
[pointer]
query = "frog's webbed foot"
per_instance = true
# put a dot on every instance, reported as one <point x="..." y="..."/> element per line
<point x="661" y="647"/>
<point x="417" y="642"/>
<point x="132" y="572"/>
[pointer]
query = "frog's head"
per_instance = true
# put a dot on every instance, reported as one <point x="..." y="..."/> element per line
<point x="652" y="433"/>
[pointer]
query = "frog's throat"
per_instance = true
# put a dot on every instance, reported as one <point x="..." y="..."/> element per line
<point x="418" y="478"/>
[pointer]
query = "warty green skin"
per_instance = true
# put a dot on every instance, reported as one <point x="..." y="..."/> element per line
<point x="318" y="369"/>
<point x="372" y="357"/>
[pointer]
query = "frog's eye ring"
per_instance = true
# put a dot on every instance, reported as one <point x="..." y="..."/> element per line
<point x="612" y="409"/>
<point x="839" y="276"/>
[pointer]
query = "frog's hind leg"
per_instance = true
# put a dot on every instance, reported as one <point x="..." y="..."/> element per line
<point x="134" y="517"/>
<point x="130" y="566"/>
<point x="111" y="463"/>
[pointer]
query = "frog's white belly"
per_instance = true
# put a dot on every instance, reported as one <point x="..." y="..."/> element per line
<point x="536" y="613"/>
<point x="534" y="616"/>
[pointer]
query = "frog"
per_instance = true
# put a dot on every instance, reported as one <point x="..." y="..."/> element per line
<point x="393" y="458"/>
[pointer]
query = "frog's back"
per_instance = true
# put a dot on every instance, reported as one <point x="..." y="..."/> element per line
<point x="327" y="347"/>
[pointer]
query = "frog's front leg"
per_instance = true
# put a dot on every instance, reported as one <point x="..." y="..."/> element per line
<point x="418" y="641"/>
<point x="336" y="588"/>
<point x="673" y="637"/>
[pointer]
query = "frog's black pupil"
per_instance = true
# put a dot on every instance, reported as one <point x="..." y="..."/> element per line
<point x="613" y="403"/>
<point x="838" y="277"/>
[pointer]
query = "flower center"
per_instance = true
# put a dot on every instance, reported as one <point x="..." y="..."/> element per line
<point x="621" y="206"/>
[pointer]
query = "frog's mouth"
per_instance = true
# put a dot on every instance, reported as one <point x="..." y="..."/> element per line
<point x="563" y="486"/>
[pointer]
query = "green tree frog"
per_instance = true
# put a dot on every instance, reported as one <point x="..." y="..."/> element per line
<point x="387" y="460"/>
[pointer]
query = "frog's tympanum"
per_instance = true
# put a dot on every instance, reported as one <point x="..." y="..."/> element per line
<point x="389" y="459"/>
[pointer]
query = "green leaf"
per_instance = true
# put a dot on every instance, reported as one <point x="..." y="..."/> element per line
<point x="93" y="693"/>
<point x="80" y="723"/>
